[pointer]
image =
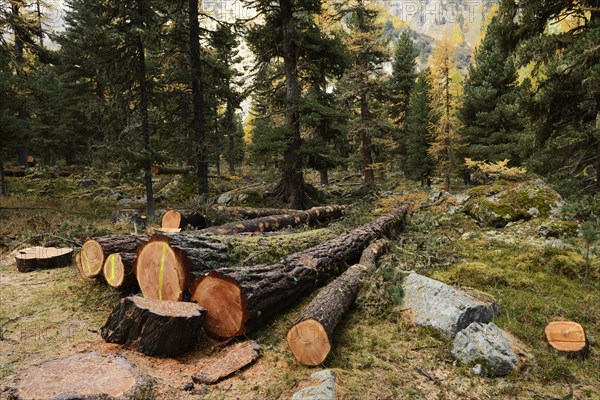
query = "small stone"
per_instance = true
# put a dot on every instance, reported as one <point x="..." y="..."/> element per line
<point x="188" y="386"/>
<point x="87" y="183"/>
<point x="533" y="211"/>
<point x="224" y="198"/>
<point x="477" y="369"/>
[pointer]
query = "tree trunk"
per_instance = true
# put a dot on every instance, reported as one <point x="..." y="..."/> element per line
<point x="95" y="251"/>
<point x="198" y="98"/>
<point x="239" y="300"/>
<point x="154" y="327"/>
<point x="145" y="126"/>
<point x="311" y="336"/>
<point x="230" y="135"/>
<point x="249" y="213"/>
<point x="291" y="189"/>
<point x="118" y="271"/>
<point x="19" y="46"/>
<point x="275" y="222"/>
<point x="3" y="188"/>
<point x="365" y="142"/>
<point x="164" y="265"/>
<point x="323" y="173"/>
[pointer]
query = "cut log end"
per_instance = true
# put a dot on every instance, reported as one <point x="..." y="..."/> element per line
<point x="309" y="342"/>
<point x="160" y="271"/>
<point x="114" y="270"/>
<point x="222" y="297"/>
<point x="171" y="220"/>
<point x="91" y="259"/>
<point x="566" y="337"/>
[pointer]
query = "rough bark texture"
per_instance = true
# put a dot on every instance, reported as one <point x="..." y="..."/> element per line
<point x="33" y="258"/>
<point x="271" y="223"/>
<point x="234" y="358"/>
<point x="154" y="327"/>
<point x="249" y="213"/>
<point x="204" y="253"/>
<point x="328" y="308"/>
<point x="94" y="252"/>
<point x="83" y="376"/>
<point x="266" y="290"/>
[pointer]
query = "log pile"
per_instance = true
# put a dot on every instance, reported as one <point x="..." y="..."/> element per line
<point x="94" y="252"/>
<point x="311" y="336"/>
<point x="237" y="300"/>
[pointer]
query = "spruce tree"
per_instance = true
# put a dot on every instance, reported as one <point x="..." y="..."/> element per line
<point x="419" y="163"/>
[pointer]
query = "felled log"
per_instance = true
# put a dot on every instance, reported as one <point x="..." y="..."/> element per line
<point x="165" y="170"/>
<point x="78" y="377"/>
<point x="118" y="271"/>
<point x="174" y="219"/>
<point x="311" y="336"/>
<point x="250" y="213"/>
<point x="239" y="300"/>
<point x="16" y="173"/>
<point x="95" y="251"/>
<point x="274" y="222"/>
<point x="567" y="338"/>
<point x="154" y="327"/>
<point x="164" y="265"/>
<point x="33" y="258"/>
<point x="234" y="358"/>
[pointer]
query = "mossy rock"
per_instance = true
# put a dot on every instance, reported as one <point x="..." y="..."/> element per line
<point x="557" y="229"/>
<point x="500" y="203"/>
<point x="477" y="274"/>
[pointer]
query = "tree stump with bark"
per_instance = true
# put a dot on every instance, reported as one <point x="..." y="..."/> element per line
<point x="174" y="219"/>
<point x="238" y="300"/>
<point x="33" y="258"/>
<point x="567" y="338"/>
<point x="311" y="336"/>
<point x="95" y="251"/>
<point x="154" y="327"/>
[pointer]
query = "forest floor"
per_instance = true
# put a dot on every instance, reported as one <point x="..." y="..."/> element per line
<point x="378" y="353"/>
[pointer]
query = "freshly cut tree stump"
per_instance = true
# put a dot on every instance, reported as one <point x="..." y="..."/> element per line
<point x="154" y="327"/>
<point x="173" y="219"/>
<point x="275" y="222"/>
<point x="250" y="213"/>
<point x="79" y="377"/>
<point x="235" y="358"/>
<point x="33" y="258"/>
<point x="239" y="300"/>
<point x="311" y="336"/>
<point x="567" y="337"/>
<point x="118" y="271"/>
<point x="94" y="252"/>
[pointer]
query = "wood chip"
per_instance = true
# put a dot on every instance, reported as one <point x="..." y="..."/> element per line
<point x="228" y="362"/>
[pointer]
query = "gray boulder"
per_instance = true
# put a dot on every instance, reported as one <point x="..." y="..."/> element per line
<point x="323" y="391"/>
<point x="443" y="307"/>
<point x="224" y="198"/>
<point x="487" y="345"/>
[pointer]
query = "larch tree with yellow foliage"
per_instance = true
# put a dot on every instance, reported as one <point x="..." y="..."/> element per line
<point x="444" y="95"/>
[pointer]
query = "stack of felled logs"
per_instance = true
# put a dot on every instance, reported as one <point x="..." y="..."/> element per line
<point x="172" y="267"/>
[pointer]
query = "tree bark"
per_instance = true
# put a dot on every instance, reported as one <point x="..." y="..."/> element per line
<point x="198" y="98"/>
<point x="154" y="327"/>
<point x="95" y="251"/>
<point x="249" y="213"/>
<point x="291" y="189"/>
<point x="324" y="175"/>
<point x="230" y="133"/>
<point x="365" y="142"/>
<point x="311" y="336"/>
<point x="275" y="222"/>
<point x="241" y="299"/>
<point x="3" y="189"/>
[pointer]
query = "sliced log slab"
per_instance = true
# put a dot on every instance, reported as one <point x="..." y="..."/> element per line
<point x="275" y="222"/>
<point x="250" y="213"/>
<point x="154" y="327"/>
<point x="311" y="336"/>
<point x="79" y="377"/>
<point x="33" y="258"/>
<point x="94" y="252"/>
<point x="567" y="338"/>
<point x="174" y="219"/>
<point x="234" y="358"/>
<point x="239" y="300"/>
<point x="118" y="271"/>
